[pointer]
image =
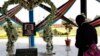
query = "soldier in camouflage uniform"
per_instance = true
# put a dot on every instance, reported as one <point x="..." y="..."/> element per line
<point x="12" y="36"/>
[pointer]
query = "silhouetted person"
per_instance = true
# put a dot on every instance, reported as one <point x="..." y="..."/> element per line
<point x="85" y="35"/>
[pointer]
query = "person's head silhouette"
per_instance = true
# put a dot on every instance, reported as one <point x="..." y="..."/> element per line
<point x="80" y="19"/>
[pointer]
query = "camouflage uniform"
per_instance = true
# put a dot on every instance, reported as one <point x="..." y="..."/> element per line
<point x="12" y="36"/>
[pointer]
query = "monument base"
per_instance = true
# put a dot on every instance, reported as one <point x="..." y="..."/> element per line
<point x="27" y="52"/>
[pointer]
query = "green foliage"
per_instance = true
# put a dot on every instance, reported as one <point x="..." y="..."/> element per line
<point x="68" y="27"/>
<point x="98" y="31"/>
<point x="55" y="32"/>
